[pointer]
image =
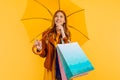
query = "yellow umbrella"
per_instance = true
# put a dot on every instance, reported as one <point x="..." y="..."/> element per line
<point x="39" y="13"/>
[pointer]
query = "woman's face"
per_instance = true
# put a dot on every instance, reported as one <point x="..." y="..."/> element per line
<point x="59" y="18"/>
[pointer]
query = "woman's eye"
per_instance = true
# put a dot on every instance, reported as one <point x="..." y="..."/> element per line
<point x="61" y="16"/>
<point x="56" y="16"/>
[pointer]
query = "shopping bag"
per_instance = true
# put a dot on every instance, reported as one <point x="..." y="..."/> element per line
<point x="63" y="75"/>
<point x="73" y="60"/>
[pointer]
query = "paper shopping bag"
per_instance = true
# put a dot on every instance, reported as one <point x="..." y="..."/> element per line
<point x="73" y="60"/>
<point x="63" y="75"/>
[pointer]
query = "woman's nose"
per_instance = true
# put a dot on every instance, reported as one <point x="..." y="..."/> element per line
<point x="58" y="17"/>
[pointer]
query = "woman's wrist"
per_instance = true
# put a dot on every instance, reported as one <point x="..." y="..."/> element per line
<point x="63" y="34"/>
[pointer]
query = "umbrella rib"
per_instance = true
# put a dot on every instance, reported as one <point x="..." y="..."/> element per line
<point x="36" y="37"/>
<point x="78" y="31"/>
<point x="35" y="18"/>
<point x="40" y="34"/>
<point x="44" y="7"/>
<point x="75" y="12"/>
<point x="59" y="4"/>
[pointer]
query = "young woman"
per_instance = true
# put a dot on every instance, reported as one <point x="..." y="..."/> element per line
<point x="46" y="47"/>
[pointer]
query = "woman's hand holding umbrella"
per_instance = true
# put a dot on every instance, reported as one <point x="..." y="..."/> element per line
<point x="38" y="46"/>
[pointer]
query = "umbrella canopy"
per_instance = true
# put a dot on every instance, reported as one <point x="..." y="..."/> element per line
<point x="39" y="13"/>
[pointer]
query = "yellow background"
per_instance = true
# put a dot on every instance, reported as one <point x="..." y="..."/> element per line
<point x="17" y="62"/>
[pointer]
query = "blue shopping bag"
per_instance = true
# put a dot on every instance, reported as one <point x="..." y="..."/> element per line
<point x="73" y="59"/>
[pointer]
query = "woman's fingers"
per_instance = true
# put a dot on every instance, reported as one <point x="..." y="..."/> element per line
<point x="36" y="42"/>
<point x="39" y="46"/>
<point x="40" y="43"/>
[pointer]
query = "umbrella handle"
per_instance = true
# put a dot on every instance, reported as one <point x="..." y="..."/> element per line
<point x="37" y="53"/>
<point x="33" y="47"/>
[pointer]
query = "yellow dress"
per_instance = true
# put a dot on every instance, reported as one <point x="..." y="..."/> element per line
<point x="51" y="74"/>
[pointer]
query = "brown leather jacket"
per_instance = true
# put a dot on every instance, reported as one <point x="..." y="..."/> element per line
<point x="49" y="43"/>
